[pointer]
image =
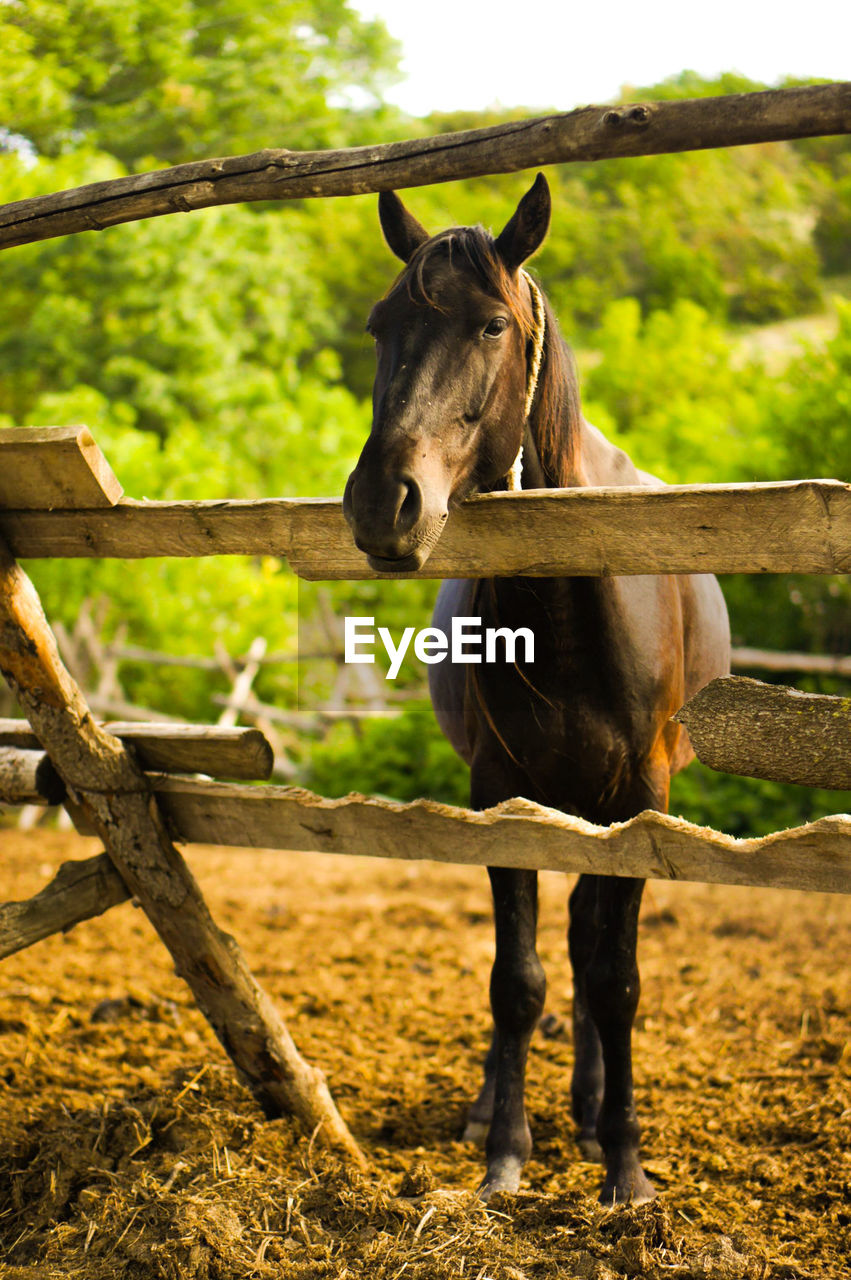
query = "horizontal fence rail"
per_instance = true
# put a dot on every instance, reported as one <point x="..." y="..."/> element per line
<point x="589" y="133"/>
<point x="822" y="664"/>
<point x="796" y="526"/>
<point x="516" y="833"/>
<point x="222" y="752"/>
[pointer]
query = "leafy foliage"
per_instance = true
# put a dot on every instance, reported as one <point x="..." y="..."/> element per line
<point x="402" y="758"/>
<point x="152" y="79"/>
<point x="746" y="807"/>
<point x="669" y="389"/>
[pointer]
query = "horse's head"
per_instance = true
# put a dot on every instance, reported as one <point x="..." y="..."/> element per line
<point x="453" y="340"/>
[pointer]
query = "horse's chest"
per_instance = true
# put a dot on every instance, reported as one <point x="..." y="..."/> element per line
<point x="581" y="719"/>
<point x="576" y="723"/>
<point x="568" y="738"/>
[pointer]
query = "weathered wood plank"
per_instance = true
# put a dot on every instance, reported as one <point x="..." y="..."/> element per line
<point x="82" y="890"/>
<point x="79" y="891"/>
<point x="176" y="748"/>
<point x="219" y="751"/>
<point x="28" y="777"/>
<point x="589" y="133"/>
<point x="797" y="526"/>
<point x="136" y="529"/>
<point x="516" y="833"/>
<point x="107" y="785"/>
<point x="44" y="468"/>
<point x="738" y="725"/>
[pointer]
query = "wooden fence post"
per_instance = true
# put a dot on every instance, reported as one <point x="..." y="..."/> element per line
<point x="109" y="787"/>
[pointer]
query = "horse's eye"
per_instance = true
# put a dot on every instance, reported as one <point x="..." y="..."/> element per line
<point x="496" y="328"/>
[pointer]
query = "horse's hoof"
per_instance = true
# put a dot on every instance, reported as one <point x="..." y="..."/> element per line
<point x="503" y="1175"/>
<point x="633" y="1188"/>
<point x="476" y="1132"/>
<point x="590" y="1148"/>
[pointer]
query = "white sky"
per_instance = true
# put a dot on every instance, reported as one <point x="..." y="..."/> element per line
<point x="553" y="53"/>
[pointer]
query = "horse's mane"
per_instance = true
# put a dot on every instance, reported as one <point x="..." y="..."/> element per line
<point x="556" y="413"/>
<point x="555" y="416"/>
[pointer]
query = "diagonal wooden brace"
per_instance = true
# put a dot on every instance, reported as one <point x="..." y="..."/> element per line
<point x="105" y="782"/>
<point x="79" y="891"/>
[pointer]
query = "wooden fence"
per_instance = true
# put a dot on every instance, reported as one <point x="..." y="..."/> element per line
<point x="682" y="529"/>
<point x="75" y="508"/>
<point x="591" y="133"/>
<point x="799" y="526"/>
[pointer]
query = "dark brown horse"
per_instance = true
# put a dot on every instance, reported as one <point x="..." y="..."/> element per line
<point x="588" y="727"/>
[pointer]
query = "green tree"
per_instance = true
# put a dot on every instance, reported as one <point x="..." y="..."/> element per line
<point x="180" y="81"/>
<point x="669" y="388"/>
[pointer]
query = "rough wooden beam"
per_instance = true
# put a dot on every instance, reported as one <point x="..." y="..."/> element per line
<point x="84" y="889"/>
<point x="219" y="751"/>
<point x="176" y="748"/>
<point x="827" y="664"/>
<point x="795" y="526"/>
<point x="45" y="468"/>
<point x="761" y="730"/>
<point x="28" y="777"/>
<point x="136" y="529"/>
<point x="79" y="891"/>
<point x="109" y="788"/>
<point x="516" y="833"/>
<point x="590" y="133"/>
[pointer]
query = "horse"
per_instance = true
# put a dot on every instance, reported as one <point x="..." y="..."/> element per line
<point x="475" y="391"/>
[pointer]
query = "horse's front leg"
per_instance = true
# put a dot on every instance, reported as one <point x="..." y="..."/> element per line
<point x="517" y="991"/>
<point x="611" y="988"/>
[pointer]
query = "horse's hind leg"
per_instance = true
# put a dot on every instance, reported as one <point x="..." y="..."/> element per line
<point x="612" y="990"/>
<point x="586" y="1089"/>
<point x="517" y="990"/>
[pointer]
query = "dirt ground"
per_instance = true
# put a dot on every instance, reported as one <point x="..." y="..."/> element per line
<point x="131" y="1151"/>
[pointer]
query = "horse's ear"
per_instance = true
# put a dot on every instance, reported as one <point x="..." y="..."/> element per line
<point x="525" y="231"/>
<point x="401" y="230"/>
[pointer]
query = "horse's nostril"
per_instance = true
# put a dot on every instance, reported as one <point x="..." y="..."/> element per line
<point x="411" y="506"/>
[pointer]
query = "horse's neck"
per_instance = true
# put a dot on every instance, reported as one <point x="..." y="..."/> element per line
<point x="599" y="462"/>
<point x="560" y="447"/>
<point x="594" y="460"/>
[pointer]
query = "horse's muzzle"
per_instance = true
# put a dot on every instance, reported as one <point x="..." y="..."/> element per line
<point x="391" y="520"/>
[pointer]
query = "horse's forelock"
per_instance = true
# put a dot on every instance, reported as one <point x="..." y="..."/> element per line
<point x="476" y="248"/>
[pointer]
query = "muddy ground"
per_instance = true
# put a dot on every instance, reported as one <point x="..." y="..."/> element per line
<point x="130" y="1150"/>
